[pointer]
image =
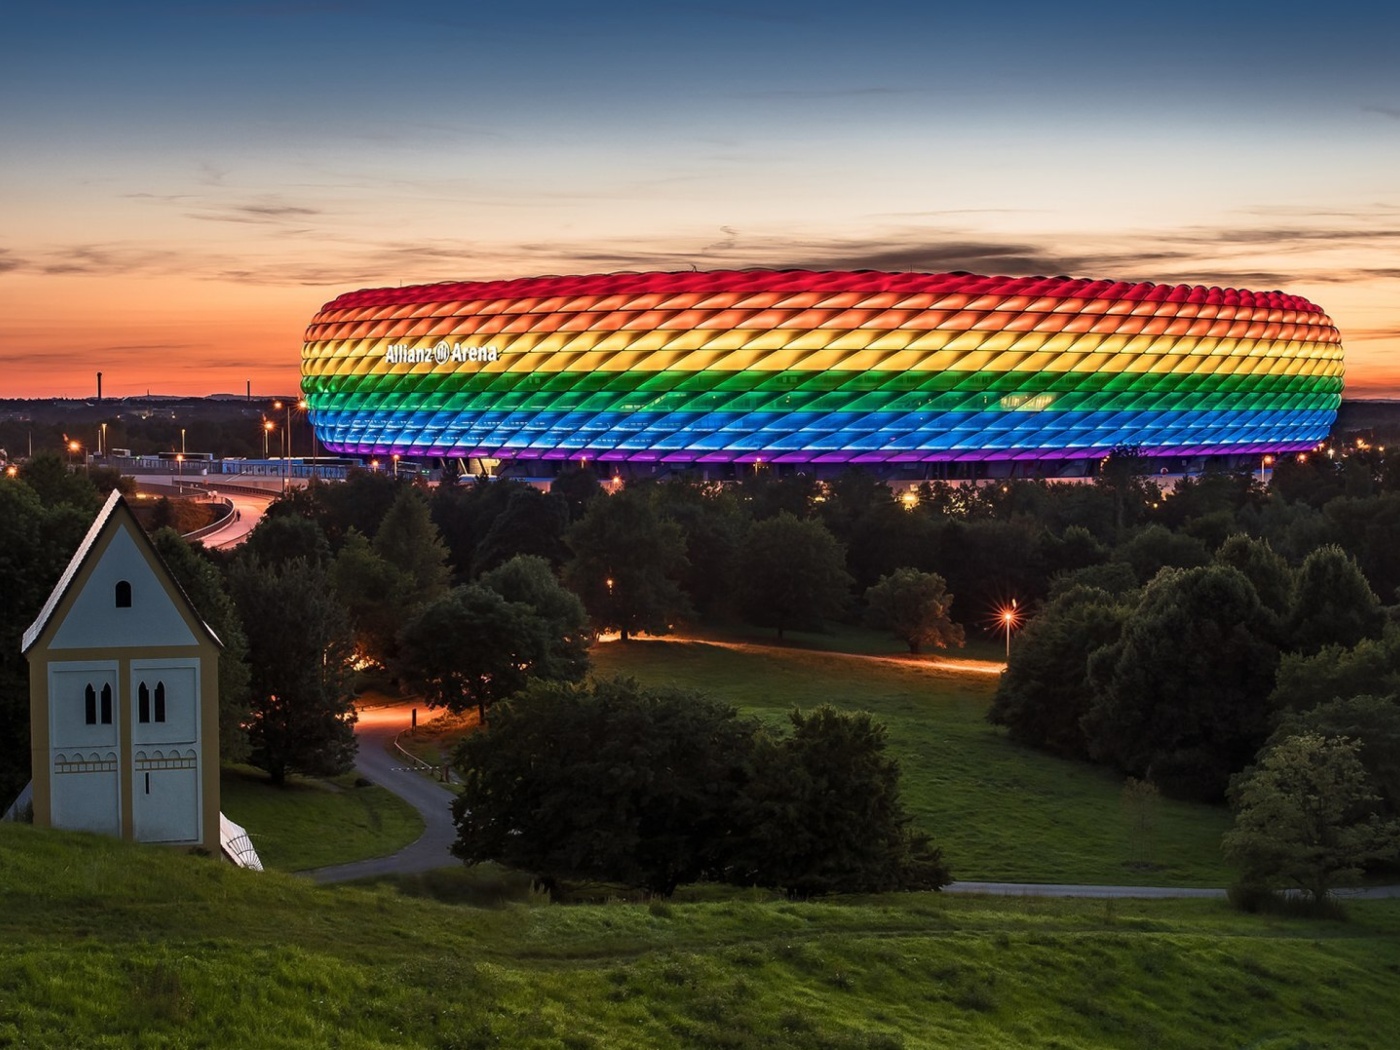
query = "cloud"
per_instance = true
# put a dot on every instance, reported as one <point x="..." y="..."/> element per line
<point x="106" y="261"/>
<point x="9" y="263"/>
<point x="268" y="211"/>
<point x="1393" y="112"/>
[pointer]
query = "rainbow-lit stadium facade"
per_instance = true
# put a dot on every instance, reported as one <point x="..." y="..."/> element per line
<point x="805" y="367"/>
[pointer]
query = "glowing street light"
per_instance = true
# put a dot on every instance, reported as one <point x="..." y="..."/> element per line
<point x="1010" y="618"/>
<point x="267" y="426"/>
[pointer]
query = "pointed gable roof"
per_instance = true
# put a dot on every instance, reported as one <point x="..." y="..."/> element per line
<point x="115" y="514"/>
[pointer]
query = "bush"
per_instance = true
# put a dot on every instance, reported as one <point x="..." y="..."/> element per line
<point x="655" y="787"/>
<point x="822" y="813"/>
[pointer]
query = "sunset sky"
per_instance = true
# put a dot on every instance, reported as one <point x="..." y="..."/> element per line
<point x="184" y="185"/>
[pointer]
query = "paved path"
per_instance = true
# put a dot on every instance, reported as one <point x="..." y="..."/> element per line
<point x="248" y="511"/>
<point x="378" y="761"/>
<point x="1038" y="889"/>
<point x="925" y="660"/>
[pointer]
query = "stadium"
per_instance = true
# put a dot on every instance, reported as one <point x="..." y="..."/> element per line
<point x="947" y="375"/>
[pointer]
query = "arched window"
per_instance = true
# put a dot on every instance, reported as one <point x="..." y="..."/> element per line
<point x="106" y="704"/>
<point x="123" y="594"/>
<point x="90" y="705"/>
<point x="143" y="704"/>
<point x="160" y="701"/>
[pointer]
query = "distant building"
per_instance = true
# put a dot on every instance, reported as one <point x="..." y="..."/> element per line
<point x="124" y="696"/>
<point x="938" y="371"/>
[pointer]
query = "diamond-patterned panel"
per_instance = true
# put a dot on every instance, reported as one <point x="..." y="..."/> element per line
<point x="733" y="366"/>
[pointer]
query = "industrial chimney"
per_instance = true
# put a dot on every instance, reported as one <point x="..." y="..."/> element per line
<point x="99" y="386"/>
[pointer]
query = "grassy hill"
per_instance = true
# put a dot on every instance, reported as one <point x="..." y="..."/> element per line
<point x="108" y="944"/>
<point x="1000" y="811"/>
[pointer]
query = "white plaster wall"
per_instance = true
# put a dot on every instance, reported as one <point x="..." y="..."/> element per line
<point x="95" y="620"/>
<point x="88" y="799"/>
<point x="68" y="707"/>
<point x="165" y="800"/>
<point x="181" y="678"/>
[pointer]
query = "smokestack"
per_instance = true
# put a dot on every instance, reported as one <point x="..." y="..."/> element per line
<point x="248" y="393"/>
<point x="99" y="386"/>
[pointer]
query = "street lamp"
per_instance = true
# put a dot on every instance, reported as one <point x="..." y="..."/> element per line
<point x="1010" y="619"/>
<point x="267" y="429"/>
<point x="396" y="464"/>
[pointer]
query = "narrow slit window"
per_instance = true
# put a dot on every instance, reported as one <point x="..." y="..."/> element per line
<point x="123" y="594"/>
<point x="160" y="701"/>
<point x="90" y="705"/>
<point x="143" y="703"/>
<point x="106" y="704"/>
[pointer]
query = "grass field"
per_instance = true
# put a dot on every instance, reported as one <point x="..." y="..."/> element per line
<point x="1000" y="811"/>
<point x="107" y="944"/>
<point x="313" y="823"/>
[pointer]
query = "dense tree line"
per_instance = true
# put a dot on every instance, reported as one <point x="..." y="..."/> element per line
<point x="1180" y="636"/>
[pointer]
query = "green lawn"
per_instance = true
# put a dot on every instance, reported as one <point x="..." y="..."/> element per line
<point x="107" y="944"/>
<point x="313" y="823"/>
<point x="1000" y="811"/>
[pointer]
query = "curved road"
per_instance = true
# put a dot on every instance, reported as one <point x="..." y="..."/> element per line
<point x="249" y="511"/>
<point x="378" y="761"/>
<point x="381" y="763"/>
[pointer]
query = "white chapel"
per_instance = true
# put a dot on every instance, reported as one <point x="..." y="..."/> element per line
<point x="124" y="696"/>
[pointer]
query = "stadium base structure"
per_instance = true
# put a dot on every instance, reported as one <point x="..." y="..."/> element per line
<point x="906" y="372"/>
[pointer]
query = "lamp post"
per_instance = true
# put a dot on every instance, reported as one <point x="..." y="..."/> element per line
<point x="267" y="429"/>
<point x="1010" y="617"/>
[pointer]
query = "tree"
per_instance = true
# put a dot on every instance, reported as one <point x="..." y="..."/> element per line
<point x="1332" y="603"/>
<point x="408" y="540"/>
<point x="605" y="781"/>
<point x="1121" y="475"/>
<point x="1306" y="680"/>
<point x="1045" y="693"/>
<point x="1373" y="722"/>
<point x="625" y="562"/>
<point x="1263" y="567"/>
<point x="1304" y="817"/>
<point x="374" y="593"/>
<point x="1155" y="548"/>
<point x="473" y="648"/>
<point x="204" y="586"/>
<point x="1182" y="696"/>
<point x="48" y="475"/>
<point x="1140" y="801"/>
<point x="822" y="813"/>
<point x="302" y="716"/>
<point x="656" y="787"/>
<point x="281" y="539"/>
<point x="792" y="573"/>
<point x="531" y="522"/>
<point x="527" y="578"/>
<point x="914" y="606"/>
<point x="712" y="525"/>
<point x="36" y="542"/>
